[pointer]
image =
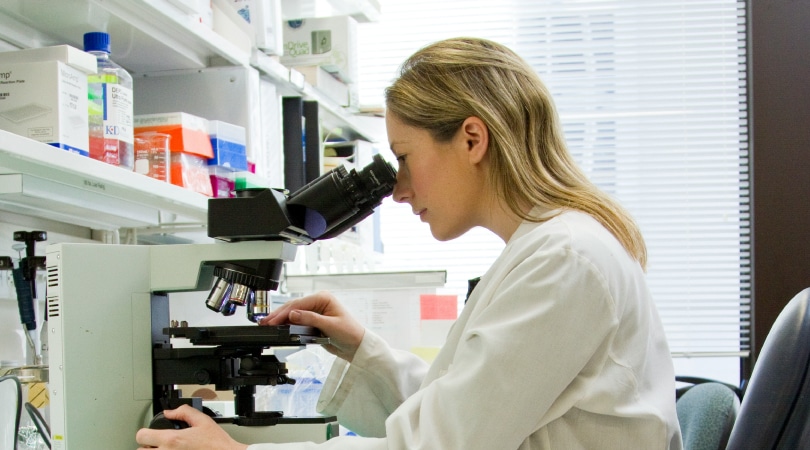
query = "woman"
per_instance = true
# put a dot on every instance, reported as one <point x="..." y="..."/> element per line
<point x="558" y="347"/>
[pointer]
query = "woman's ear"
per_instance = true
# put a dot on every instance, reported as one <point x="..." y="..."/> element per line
<point x="476" y="138"/>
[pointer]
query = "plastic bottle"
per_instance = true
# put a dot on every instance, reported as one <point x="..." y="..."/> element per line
<point x="114" y="84"/>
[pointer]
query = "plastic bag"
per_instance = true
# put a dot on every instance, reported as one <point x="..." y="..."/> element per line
<point x="309" y="368"/>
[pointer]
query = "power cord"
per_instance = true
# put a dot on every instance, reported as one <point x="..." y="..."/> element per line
<point x="39" y="422"/>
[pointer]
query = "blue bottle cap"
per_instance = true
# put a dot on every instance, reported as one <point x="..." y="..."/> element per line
<point x="97" y="41"/>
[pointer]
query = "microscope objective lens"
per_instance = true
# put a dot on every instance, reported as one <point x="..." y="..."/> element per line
<point x="239" y="294"/>
<point x="219" y="293"/>
<point x="229" y="309"/>
<point x="259" y="306"/>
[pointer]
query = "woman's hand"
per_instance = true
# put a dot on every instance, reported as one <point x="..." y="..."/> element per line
<point x="203" y="433"/>
<point x="322" y="311"/>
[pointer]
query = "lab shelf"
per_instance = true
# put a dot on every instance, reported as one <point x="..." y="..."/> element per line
<point x="39" y="180"/>
<point x="153" y="36"/>
<point x="146" y="35"/>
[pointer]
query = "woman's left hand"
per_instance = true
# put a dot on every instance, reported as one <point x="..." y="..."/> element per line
<point x="202" y="433"/>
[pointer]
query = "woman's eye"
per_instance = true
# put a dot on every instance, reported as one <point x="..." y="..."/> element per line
<point x="401" y="159"/>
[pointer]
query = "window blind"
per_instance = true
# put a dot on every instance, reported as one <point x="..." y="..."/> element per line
<point x="652" y="96"/>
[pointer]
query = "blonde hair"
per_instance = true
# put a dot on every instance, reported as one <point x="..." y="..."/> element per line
<point x="446" y="82"/>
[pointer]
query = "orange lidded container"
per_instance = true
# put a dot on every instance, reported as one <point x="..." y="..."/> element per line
<point x="189" y="145"/>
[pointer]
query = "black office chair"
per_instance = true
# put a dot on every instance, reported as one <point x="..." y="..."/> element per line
<point x="775" y="411"/>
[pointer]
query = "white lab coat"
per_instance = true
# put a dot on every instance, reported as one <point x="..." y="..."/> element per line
<point x="558" y="347"/>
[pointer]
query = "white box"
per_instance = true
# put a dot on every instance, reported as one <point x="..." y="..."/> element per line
<point x="264" y="17"/>
<point x="64" y="53"/>
<point x="43" y="95"/>
<point x="329" y="42"/>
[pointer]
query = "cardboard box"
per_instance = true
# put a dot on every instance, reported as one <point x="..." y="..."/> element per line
<point x="329" y="42"/>
<point x="43" y="95"/>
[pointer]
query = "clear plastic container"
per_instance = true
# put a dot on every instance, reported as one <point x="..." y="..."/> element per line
<point x="114" y="86"/>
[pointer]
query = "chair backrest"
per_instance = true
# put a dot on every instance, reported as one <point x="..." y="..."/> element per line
<point x="707" y="412"/>
<point x="775" y="411"/>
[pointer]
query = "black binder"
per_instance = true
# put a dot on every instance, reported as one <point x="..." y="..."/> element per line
<point x="312" y="141"/>
<point x="292" y="123"/>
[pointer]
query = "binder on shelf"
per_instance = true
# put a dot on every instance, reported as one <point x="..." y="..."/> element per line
<point x="292" y="118"/>
<point x="312" y="141"/>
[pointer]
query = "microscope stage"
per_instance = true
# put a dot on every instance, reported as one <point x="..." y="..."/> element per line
<point x="249" y="335"/>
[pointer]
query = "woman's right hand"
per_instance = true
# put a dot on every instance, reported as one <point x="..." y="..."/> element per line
<point x="322" y="311"/>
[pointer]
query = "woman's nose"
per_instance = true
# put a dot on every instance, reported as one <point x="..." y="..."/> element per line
<point x="401" y="191"/>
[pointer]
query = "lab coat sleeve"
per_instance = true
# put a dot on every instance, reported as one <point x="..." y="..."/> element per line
<point x="364" y="393"/>
<point x="515" y="361"/>
<point x="513" y="365"/>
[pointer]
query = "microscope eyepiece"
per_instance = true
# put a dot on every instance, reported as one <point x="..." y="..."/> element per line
<point x="322" y="209"/>
<point x="341" y="198"/>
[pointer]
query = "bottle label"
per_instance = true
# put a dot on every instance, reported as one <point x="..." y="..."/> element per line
<point x="95" y="120"/>
<point x="118" y="113"/>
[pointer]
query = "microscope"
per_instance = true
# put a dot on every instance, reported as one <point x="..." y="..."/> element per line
<point x="114" y="362"/>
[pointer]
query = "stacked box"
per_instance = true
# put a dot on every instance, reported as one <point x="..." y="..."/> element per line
<point x="229" y="143"/>
<point x="43" y="95"/>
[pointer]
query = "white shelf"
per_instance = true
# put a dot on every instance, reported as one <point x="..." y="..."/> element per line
<point x="42" y="181"/>
<point x="146" y="35"/>
<point x="150" y="36"/>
